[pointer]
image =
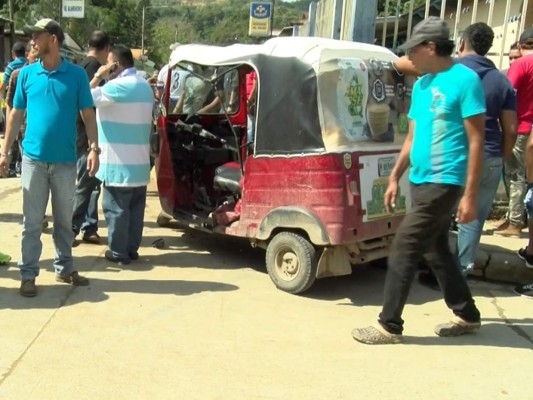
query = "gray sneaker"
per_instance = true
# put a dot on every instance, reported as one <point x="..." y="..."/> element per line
<point x="456" y="327"/>
<point x="28" y="288"/>
<point x="375" y="335"/>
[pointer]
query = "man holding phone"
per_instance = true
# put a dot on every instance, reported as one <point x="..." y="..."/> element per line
<point x="124" y="116"/>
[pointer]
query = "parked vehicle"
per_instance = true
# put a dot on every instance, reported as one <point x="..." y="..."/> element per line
<point x="330" y="119"/>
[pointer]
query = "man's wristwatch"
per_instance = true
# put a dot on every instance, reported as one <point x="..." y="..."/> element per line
<point x="97" y="150"/>
<point x="97" y="75"/>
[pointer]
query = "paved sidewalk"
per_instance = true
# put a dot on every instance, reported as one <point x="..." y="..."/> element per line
<point x="200" y="319"/>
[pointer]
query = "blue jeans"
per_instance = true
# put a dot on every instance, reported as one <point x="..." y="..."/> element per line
<point x="39" y="180"/>
<point x="85" y="212"/>
<point x="124" y="214"/>
<point x="470" y="234"/>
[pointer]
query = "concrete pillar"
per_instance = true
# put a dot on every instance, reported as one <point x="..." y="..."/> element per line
<point x="295" y="30"/>
<point x="363" y="20"/>
<point x="337" y="19"/>
<point x="312" y="19"/>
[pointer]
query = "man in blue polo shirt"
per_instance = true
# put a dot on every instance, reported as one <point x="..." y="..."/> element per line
<point x="52" y="92"/>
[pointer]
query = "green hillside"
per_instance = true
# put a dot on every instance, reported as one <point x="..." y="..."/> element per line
<point x="166" y="21"/>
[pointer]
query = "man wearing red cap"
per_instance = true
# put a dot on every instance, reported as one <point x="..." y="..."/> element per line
<point x="521" y="76"/>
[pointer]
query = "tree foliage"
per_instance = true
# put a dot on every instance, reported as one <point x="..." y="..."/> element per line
<point x="220" y="22"/>
<point x="393" y="6"/>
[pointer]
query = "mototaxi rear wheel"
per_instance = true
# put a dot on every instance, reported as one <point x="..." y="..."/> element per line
<point x="291" y="262"/>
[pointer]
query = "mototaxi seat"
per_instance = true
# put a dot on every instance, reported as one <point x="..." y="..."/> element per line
<point x="228" y="178"/>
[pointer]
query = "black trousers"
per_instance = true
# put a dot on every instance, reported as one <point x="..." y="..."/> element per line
<point x="424" y="231"/>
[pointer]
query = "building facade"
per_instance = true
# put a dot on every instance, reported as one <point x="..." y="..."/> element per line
<point x="351" y="19"/>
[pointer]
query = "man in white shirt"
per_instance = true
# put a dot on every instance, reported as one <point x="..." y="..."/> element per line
<point x="177" y="80"/>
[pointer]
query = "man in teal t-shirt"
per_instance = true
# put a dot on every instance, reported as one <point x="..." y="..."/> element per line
<point x="439" y="152"/>
<point x="444" y="149"/>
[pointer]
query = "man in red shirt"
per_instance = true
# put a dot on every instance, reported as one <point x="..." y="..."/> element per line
<point x="522" y="70"/>
<point x="251" y="97"/>
<point x="521" y="76"/>
<point x="514" y="53"/>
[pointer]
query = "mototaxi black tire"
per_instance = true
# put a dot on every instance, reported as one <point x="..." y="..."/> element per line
<point x="291" y="262"/>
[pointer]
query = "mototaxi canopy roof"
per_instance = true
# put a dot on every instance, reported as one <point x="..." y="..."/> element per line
<point x="313" y="93"/>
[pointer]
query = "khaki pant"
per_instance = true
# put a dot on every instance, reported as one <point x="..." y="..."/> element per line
<point x="515" y="181"/>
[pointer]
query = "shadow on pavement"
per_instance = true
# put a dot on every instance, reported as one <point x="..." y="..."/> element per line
<point x="487" y="232"/>
<point x="216" y="257"/>
<point x="492" y="248"/>
<point x="359" y="289"/>
<point x="189" y="248"/>
<point x="11" y="217"/>
<point x="55" y="296"/>
<point x="491" y="334"/>
<point x="204" y="250"/>
<point x="364" y="287"/>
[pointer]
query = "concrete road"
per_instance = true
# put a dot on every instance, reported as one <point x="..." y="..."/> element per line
<point x="201" y="319"/>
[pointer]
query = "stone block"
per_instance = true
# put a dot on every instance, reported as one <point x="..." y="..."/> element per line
<point x="480" y="263"/>
<point x="507" y="267"/>
<point x="482" y="258"/>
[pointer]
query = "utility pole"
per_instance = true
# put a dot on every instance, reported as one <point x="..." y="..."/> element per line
<point x="11" y="10"/>
<point x="142" y="35"/>
<point x="59" y="10"/>
<point x="272" y="18"/>
<point x="11" y="6"/>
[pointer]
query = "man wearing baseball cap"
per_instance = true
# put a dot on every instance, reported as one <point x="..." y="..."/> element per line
<point x="46" y="25"/>
<point x="444" y="150"/>
<point x="52" y="92"/>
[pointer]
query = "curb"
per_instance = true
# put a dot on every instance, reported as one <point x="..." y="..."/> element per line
<point x="501" y="267"/>
<point x="494" y="265"/>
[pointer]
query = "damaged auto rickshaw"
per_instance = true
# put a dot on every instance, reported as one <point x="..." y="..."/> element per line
<point x="308" y="185"/>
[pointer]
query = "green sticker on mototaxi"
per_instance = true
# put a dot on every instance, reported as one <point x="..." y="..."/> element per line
<point x="403" y="123"/>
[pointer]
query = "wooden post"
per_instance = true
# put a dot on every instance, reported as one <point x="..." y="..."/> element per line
<point x="504" y="38"/>
<point x="396" y="24"/>
<point x="337" y="19"/>
<point x="474" y="12"/>
<point x="458" y="13"/>
<point x="11" y="24"/>
<point x="442" y="9"/>
<point x="410" y="20"/>
<point x="523" y="17"/>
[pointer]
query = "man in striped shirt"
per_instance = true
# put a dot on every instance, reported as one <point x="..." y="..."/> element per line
<point x="124" y="118"/>
<point x="18" y="52"/>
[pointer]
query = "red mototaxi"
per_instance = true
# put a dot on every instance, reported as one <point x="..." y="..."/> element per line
<point x="330" y="119"/>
